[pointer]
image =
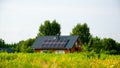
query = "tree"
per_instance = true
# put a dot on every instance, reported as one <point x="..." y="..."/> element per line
<point x="55" y="28"/>
<point x="49" y="28"/>
<point x="2" y="43"/>
<point x="109" y="45"/>
<point x="24" y="46"/>
<point x="118" y="47"/>
<point x="95" y="45"/>
<point x="82" y="30"/>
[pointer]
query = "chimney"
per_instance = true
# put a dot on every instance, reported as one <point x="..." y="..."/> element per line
<point x="58" y="36"/>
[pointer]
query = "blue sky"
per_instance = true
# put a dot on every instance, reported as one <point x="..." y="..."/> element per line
<point x="20" y="19"/>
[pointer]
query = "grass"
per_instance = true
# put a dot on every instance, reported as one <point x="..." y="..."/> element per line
<point x="82" y="60"/>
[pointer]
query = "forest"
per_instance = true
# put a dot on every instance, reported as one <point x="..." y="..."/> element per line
<point x="90" y="43"/>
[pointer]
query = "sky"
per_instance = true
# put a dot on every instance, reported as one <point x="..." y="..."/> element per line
<point x="20" y="19"/>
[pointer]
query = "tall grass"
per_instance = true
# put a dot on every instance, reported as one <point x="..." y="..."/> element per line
<point x="81" y="60"/>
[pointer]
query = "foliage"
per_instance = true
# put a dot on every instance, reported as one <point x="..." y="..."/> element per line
<point x="90" y="44"/>
<point x="49" y="28"/>
<point x="2" y="43"/>
<point x="105" y="45"/>
<point x="25" y="46"/>
<point x="109" y="44"/>
<point x="82" y="60"/>
<point x="82" y="30"/>
<point x="95" y="45"/>
<point x="22" y="46"/>
<point x="118" y="47"/>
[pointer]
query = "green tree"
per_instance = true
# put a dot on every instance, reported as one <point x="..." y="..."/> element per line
<point x="24" y="46"/>
<point x="95" y="45"/>
<point x="82" y="30"/>
<point x="49" y="28"/>
<point x="118" y="48"/>
<point x="109" y="45"/>
<point x="55" y="28"/>
<point x="2" y="43"/>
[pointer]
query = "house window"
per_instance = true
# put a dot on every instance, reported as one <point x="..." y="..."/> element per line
<point x="76" y="43"/>
<point x="45" y="51"/>
<point x="42" y="51"/>
<point x="60" y="52"/>
<point x="79" y="45"/>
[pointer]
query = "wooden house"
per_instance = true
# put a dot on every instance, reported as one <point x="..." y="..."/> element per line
<point x="57" y="44"/>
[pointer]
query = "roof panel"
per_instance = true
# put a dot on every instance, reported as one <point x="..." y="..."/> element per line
<point x="50" y="42"/>
<point x="54" y="43"/>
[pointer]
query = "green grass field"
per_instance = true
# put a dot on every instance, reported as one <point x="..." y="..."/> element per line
<point x="82" y="60"/>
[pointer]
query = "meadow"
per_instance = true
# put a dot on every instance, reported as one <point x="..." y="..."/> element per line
<point x="37" y="60"/>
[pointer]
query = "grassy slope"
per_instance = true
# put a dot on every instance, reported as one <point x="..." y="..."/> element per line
<point x="82" y="60"/>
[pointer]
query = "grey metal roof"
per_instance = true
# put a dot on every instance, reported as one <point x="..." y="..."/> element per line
<point x="38" y="42"/>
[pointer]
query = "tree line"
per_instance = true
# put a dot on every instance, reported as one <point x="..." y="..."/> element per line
<point x="89" y="43"/>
